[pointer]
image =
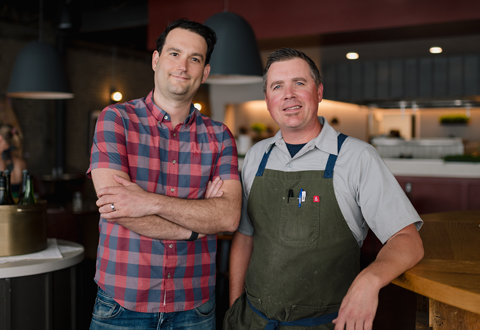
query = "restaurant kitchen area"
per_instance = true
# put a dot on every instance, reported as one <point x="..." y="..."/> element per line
<point x="420" y="110"/>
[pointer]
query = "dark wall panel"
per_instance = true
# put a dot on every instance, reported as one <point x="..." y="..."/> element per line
<point x="343" y="83"/>
<point x="471" y="75"/>
<point x="440" y="77"/>
<point x="397" y="81"/>
<point x="369" y="80"/>
<point x="425" y="77"/>
<point x="455" y="76"/>
<point x="356" y="81"/>
<point x="403" y="79"/>
<point x="411" y="78"/>
<point x="383" y="80"/>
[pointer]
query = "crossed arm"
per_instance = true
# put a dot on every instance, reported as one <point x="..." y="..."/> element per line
<point x="164" y="217"/>
<point x="357" y="311"/>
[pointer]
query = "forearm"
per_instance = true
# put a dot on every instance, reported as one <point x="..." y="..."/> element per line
<point x="208" y="216"/>
<point x="155" y="227"/>
<point x="400" y="253"/>
<point x="216" y="213"/>
<point x="358" y="308"/>
<point x="240" y="254"/>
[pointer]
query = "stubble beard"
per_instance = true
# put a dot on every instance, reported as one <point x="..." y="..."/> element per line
<point x="177" y="90"/>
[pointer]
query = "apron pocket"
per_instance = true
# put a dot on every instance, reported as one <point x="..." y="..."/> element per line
<point x="299" y="224"/>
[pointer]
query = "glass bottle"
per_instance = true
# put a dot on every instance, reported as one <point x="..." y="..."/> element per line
<point x="24" y="185"/>
<point x="2" y="190"/>
<point x="8" y="190"/>
<point x="28" y="198"/>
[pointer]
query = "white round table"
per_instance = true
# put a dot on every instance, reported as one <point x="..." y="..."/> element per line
<point x="41" y="293"/>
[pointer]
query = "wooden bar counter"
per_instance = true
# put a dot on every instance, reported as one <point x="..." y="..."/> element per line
<point x="449" y="274"/>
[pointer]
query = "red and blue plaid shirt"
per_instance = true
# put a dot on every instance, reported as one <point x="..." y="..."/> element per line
<point x="137" y="137"/>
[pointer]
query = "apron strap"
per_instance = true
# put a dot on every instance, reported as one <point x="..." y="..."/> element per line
<point x="264" y="161"/>
<point x="307" y="322"/>
<point x="332" y="159"/>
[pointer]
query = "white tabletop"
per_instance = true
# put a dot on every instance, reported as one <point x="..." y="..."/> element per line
<point x="40" y="266"/>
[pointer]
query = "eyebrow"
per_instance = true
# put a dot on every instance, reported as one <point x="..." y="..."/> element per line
<point x="179" y="51"/>
<point x="293" y="79"/>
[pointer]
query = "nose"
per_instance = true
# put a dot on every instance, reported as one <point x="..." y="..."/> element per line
<point x="288" y="92"/>
<point x="182" y="64"/>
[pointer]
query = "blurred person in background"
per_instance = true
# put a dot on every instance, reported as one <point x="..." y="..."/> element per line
<point x="11" y="160"/>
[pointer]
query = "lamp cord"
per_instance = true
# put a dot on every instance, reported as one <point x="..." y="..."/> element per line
<point x="114" y="63"/>
<point x="40" y="28"/>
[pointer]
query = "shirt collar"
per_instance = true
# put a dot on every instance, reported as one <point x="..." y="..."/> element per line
<point x="160" y="115"/>
<point x="325" y="141"/>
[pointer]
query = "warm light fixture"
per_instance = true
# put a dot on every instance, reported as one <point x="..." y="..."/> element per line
<point x="116" y="96"/>
<point x="198" y="106"/>
<point x="436" y="50"/>
<point x="236" y="59"/>
<point x="352" y="56"/>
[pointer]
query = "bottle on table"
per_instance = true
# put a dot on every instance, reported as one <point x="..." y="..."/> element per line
<point x="24" y="184"/>
<point x="2" y="189"/>
<point x="8" y="190"/>
<point x="28" y="197"/>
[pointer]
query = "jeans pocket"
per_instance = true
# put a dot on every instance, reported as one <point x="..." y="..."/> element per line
<point x="206" y="309"/>
<point x="105" y="307"/>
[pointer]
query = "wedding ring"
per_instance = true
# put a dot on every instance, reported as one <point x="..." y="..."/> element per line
<point x="112" y="206"/>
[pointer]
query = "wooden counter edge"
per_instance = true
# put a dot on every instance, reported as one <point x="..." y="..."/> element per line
<point x="447" y="294"/>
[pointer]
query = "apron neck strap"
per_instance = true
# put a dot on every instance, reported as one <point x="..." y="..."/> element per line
<point x="332" y="159"/>
<point x="264" y="161"/>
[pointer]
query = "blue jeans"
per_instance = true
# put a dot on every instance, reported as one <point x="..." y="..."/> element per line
<point x="109" y="315"/>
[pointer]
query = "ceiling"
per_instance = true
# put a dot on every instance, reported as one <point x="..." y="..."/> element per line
<point x="123" y="23"/>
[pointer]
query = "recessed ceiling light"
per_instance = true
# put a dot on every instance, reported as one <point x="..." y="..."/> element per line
<point x="436" y="50"/>
<point x="352" y="56"/>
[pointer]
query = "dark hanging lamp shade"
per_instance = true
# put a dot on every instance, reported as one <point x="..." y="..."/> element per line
<point x="38" y="74"/>
<point x="235" y="59"/>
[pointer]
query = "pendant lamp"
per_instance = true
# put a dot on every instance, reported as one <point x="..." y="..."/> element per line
<point x="235" y="59"/>
<point x="38" y="72"/>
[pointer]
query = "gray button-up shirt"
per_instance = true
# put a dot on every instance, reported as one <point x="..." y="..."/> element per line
<point x="367" y="192"/>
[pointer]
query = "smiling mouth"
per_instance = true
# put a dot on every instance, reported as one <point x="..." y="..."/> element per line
<point x="292" y="108"/>
<point x="180" y="77"/>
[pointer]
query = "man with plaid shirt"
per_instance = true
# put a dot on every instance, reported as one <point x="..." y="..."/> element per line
<point x="158" y="166"/>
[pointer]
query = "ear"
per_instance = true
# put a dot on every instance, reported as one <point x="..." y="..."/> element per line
<point x="320" y="93"/>
<point x="155" y="58"/>
<point x="206" y="72"/>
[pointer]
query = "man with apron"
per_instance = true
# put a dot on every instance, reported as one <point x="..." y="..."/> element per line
<point x="309" y="196"/>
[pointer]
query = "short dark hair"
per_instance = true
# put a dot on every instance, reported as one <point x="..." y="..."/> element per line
<point x="285" y="54"/>
<point x="202" y="30"/>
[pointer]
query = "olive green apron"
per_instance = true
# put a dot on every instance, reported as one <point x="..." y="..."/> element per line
<point x="305" y="257"/>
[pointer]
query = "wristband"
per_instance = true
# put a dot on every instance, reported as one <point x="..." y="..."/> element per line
<point x="193" y="237"/>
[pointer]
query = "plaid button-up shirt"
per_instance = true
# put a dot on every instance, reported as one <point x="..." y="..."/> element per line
<point x="137" y="137"/>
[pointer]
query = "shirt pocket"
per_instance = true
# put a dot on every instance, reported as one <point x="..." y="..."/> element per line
<point x="199" y="167"/>
<point x="299" y="225"/>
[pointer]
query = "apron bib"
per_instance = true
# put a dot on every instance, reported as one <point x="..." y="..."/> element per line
<point x="305" y="257"/>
